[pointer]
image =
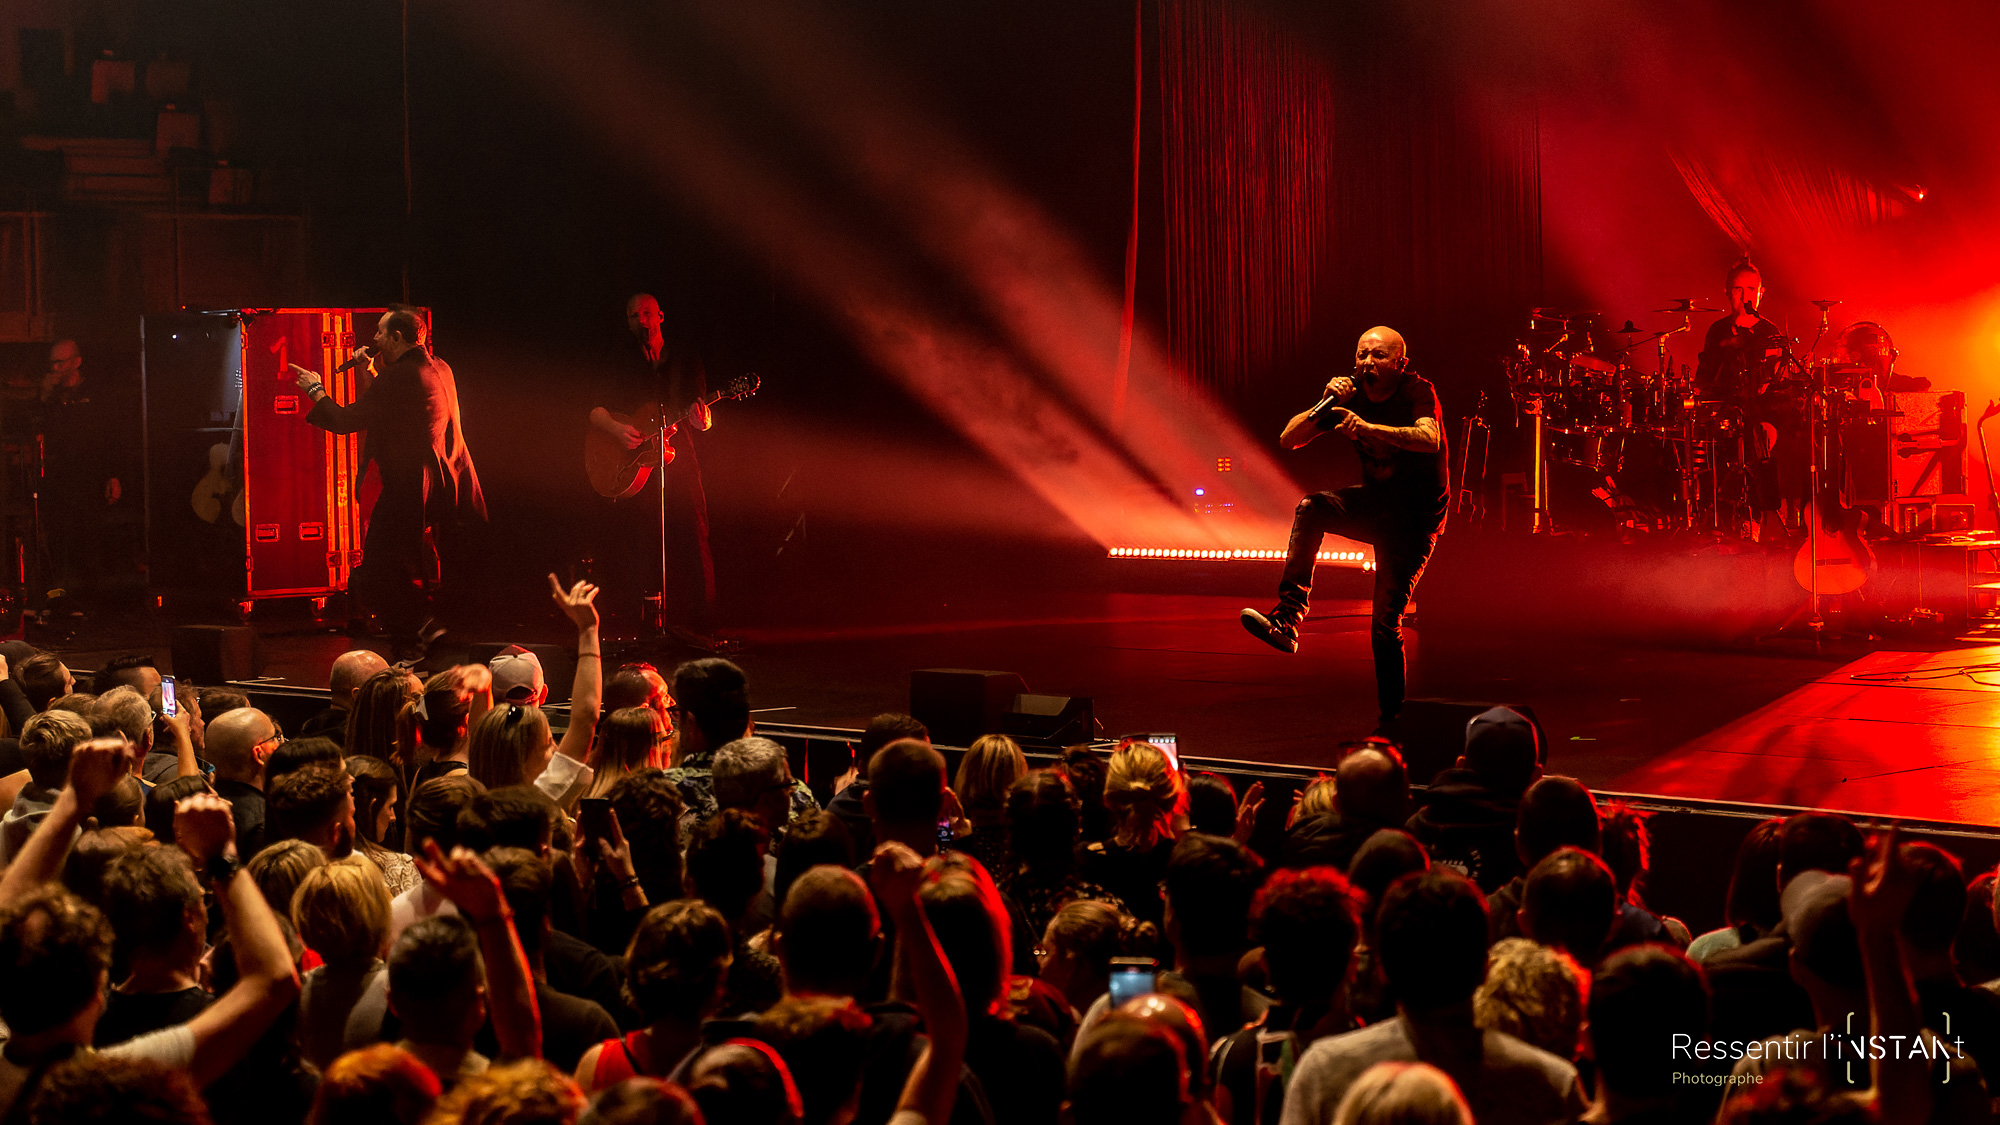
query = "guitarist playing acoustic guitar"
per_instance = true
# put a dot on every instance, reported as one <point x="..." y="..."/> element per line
<point x="660" y="535"/>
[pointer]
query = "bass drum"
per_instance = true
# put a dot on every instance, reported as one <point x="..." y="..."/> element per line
<point x="1600" y="451"/>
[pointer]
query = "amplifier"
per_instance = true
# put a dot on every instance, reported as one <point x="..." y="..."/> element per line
<point x="1927" y="443"/>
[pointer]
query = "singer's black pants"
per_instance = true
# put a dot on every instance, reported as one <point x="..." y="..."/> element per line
<point x="399" y="558"/>
<point x="1403" y="529"/>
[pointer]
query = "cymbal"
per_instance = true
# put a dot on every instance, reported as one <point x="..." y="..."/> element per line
<point x="1630" y="329"/>
<point x="1824" y="305"/>
<point x="1686" y="305"/>
<point x="1561" y="315"/>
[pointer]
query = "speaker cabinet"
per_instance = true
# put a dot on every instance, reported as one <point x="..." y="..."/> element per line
<point x="1051" y="721"/>
<point x="960" y="704"/>
<point x="213" y="654"/>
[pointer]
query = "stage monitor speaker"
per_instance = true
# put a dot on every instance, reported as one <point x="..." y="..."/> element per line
<point x="1432" y="733"/>
<point x="212" y="654"/>
<point x="958" y="705"/>
<point x="1050" y="720"/>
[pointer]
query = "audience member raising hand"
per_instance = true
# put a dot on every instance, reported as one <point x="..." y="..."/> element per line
<point x="895" y="876"/>
<point x="472" y="887"/>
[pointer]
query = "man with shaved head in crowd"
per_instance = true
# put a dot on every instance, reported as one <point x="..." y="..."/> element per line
<point x="1391" y="414"/>
<point x="350" y="670"/>
<point x="239" y="743"/>
<point x="1371" y="792"/>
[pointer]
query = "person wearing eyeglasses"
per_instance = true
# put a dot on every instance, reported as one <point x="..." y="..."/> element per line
<point x="713" y="710"/>
<point x="239" y="743"/>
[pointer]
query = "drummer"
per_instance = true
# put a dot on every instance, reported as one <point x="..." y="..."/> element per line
<point x="1739" y="363"/>
<point x="1742" y="348"/>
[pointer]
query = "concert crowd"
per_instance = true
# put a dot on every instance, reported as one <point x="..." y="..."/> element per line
<point x="427" y="908"/>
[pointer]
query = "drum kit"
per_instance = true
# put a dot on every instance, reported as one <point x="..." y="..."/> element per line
<point x="1612" y="406"/>
<point x="1591" y="402"/>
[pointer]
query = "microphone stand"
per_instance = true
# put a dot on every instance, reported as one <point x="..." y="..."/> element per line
<point x="660" y="492"/>
<point x="1992" y="491"/>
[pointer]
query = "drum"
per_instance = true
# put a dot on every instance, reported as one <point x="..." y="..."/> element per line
<point x="1658" y="404"/>
<point x="1599" y="450"/>
<point x="1588" y="399"/>
<point x="1714" y="419"/>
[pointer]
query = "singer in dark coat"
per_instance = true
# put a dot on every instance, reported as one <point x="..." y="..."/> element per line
<point x="417" y="443"/>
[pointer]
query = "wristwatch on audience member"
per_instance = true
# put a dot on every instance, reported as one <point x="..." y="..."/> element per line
<point x="222" y="867"/>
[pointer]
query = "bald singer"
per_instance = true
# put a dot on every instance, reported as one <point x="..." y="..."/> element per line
<point x="1391" y="414"/>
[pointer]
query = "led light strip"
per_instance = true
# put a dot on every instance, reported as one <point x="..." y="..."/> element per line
<point x="1226" y="553"/>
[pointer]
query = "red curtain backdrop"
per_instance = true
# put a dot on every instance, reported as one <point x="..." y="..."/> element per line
<point x="1247" y="121"/>
<point x="1314" y="189"/>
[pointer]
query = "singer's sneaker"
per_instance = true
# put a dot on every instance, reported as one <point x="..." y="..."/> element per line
<point x="1278" y="628"/>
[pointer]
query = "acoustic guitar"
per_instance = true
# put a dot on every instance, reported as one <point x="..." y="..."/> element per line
<point x="216" y="491"/>
<point x="221" y="488"/>
<point x="1833" y="560"/>
<point x="619" y="473"/>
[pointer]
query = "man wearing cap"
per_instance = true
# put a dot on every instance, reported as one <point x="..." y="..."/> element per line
<point x="517" y="677"/>
<point x="1468" y="822"/>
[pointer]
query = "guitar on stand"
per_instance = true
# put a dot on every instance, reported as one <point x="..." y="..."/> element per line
<point x="618" y="473"/>
<point x="1834" y="560"/>
<point x="1469" y="502"/>
<point x="221" y="489"/>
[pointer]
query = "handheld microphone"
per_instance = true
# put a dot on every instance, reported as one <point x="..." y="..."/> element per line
<point x="361" y="355"/>
<point x="1320" y="408"/>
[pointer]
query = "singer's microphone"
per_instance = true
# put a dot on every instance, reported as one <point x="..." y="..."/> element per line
<point x="360" y="356"/>
<point x="1320" y="408"/>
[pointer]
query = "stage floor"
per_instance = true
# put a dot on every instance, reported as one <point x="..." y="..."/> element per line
<point x="1906" y="734"/>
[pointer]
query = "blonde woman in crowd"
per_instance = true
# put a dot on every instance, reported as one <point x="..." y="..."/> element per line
<point x="341" y="911"/>
<point x="628" y="740"/>
<point x="1403" y="1093"/>
<point x="1535" y="994"/>
<point x="990" y="767"/>
<point x="1147" y="798"/>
